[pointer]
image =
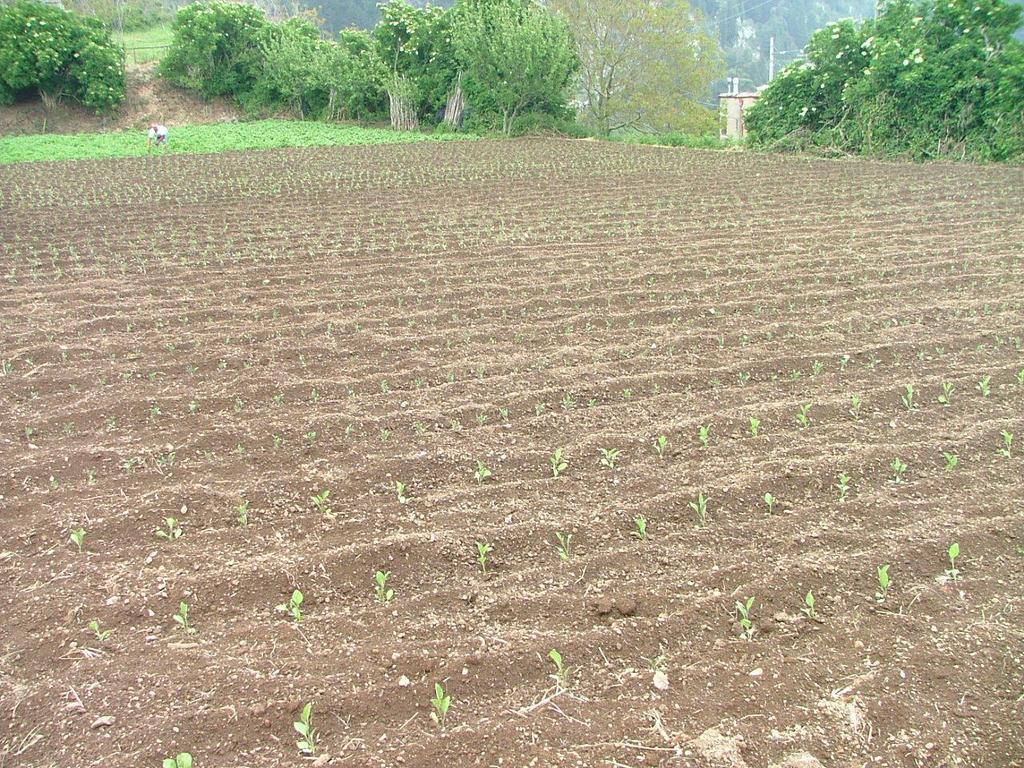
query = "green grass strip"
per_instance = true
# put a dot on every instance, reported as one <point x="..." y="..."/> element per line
<point x="204" y="139"/>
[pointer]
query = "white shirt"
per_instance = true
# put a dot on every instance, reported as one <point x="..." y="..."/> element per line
<point x="158" y="132"/>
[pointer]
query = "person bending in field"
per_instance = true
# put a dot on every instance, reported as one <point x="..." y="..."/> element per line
<point x="157" y="135"/>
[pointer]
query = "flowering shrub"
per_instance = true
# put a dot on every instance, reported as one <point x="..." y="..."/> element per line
<point x="926" y="79"/>
<point x="58" y="54"/>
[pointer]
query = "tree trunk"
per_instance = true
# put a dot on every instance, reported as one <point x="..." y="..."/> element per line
<point x="403" y="111"/>
<point x="332" y="110"/>
<point x="508" y="118"/>
<point x="456" y="105"/>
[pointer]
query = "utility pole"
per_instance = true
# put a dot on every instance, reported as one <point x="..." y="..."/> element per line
<point x="771" y="58"/>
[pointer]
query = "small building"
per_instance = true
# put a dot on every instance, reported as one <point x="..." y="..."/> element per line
<point x="732" y="108"/>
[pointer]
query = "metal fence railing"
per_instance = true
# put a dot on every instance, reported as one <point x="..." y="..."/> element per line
<point x="144" y="54"/>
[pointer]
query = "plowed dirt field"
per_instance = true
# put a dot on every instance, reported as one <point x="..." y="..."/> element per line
<point x="220" y="340"/>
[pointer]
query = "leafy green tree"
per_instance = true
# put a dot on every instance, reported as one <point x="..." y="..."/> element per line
<point x="291" y="56"/>
<point x="217" y="48"/>
<point x="516" y="55"/>
<point x="58" y="54"/>
<point x="927" y="79"/>
<point x="415" y="44"/>
<point x="643" y="62"/>
<point x="315" y="77"/>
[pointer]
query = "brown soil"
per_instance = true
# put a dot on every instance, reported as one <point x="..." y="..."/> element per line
<point x="184" y="333"/>
<point x="148" y="99"/>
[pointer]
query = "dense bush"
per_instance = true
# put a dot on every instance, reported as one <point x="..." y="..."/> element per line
<point x="217" y="48"/>
<point x="926" y="79"/>
<point x="227" y="49"/>
<point x="58" y="54"/>
<point x="315" y="77"/>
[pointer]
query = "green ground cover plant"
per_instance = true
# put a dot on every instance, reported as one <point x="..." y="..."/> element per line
<point x="204" y="139"/>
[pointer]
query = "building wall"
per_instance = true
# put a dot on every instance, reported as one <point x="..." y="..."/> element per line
<point x="732" y="108"/>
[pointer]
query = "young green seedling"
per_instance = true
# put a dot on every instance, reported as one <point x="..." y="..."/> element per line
<point x="171" y="530"/>
<point x="899" y="471"/>
<point x="802" y="418"/>
<point x="755" y="426"/>
<point x="558" y="462"/>
<point x="843" y="486"/>
<point x="808" y="607"/>
<point x="560" y="675"/>
<point x="181" y="760"/>
<point x="700" y="508"/>
<point x="1007" y="443"/>
<point x="984" y="386"/>
<point x="383" y="593"/>
<point x="609" y="456"/>
<point x="400" y="493"/>
<point x="769" y="501"/>
<point x="908" y="397"/>
<point x="101" y="634"/>
<point x="322" y="504"/>
<point x="704" y="435"/>
<point x="77" y="538"/>
<point x="482" y="551"/>
<point x="242" y="514"/>
<point x="564" y="545"/>
<point x="883" y="583"/>
<point x="951" y="461"/>
<point x="855" y="403"/>
<point x="946" y="398"/>
<point x="954" y="552"/>
<point x="294" y="606"/>
<point x="640" y="527"/>
<point x="441" y="704"/>
<point x="308" y="734"/>
<point x="181" y="618"/>
<point x="1020" y="377"/>
<point x="746" y="625"/>
<point x="482" y="472"/>
<point x="660" y="444"/>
